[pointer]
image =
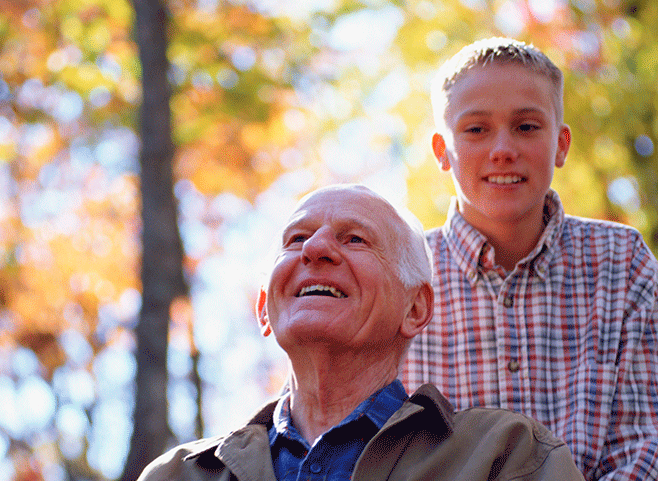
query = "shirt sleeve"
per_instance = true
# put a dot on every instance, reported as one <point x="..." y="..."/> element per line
<point x="630" y="451"/>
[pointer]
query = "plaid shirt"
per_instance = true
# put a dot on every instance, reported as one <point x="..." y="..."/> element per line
<point x="569" y="337"/>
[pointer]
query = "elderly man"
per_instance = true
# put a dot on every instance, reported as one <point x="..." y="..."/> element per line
<point x="350" y="288"/>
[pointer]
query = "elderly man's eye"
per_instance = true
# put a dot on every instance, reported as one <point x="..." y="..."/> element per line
<point x="294" y="239"/>
<point x="355" y="239"/>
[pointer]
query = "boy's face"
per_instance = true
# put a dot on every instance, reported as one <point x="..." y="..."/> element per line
<point x="502" y="142"/>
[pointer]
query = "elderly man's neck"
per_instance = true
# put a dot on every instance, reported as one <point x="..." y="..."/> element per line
<point x="325" y="390"/>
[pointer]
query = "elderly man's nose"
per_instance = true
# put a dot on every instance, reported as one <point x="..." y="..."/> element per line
<point x="320" y="247"/>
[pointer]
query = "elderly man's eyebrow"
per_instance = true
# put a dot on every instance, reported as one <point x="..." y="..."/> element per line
<point x="352" y="223"/>
<point x="342" y="226"/>
<point x="292" y="225"/>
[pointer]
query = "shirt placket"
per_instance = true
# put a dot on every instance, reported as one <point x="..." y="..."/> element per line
<point x="512" y="346"/>
<point x="313" y="467"/>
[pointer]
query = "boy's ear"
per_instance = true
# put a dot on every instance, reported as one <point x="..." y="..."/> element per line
<point x="563" y="143"/>
<point x="261" y="313"/>
<point x="439" y="148"/>
<point x="421" y="312"/>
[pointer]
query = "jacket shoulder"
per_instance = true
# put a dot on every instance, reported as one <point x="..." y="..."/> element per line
<point x="190" y="461"/>
<point x="502" y="421"/>
<point x="515" y="445"/>
<point x="202" y="460"/>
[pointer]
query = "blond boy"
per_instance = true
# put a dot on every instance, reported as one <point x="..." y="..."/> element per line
<point x="535" y="311"/>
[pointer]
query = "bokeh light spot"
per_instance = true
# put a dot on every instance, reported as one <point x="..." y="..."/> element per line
<point x="644" y="145"/>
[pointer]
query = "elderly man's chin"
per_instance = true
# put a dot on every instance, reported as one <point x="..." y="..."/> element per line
<point x="307" y="324"/>
<point x="323" y="327"/>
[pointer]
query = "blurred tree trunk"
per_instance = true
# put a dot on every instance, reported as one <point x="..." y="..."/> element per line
<point x="161" y="275"/>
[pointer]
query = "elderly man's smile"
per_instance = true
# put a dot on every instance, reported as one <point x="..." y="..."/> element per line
<point x="321" y="290"/>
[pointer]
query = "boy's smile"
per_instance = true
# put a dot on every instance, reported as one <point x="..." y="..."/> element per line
<point x="502" y="143"/>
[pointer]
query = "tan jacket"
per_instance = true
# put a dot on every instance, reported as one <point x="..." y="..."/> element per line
<point x="424" y="440"/>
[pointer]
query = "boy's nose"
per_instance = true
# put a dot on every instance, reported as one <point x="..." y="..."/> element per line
<point x="321" y="247"/>
<point x="503" y="149"/>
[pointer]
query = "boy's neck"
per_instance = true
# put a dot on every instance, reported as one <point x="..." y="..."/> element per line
<point x="508" y="254"/>
<point x="512" y="241"/>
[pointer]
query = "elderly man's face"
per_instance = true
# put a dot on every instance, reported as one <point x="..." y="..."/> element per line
<point x="335" y="280"/>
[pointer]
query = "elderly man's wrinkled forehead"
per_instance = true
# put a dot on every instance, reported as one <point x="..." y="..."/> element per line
<point x="349" y="201"/>
<point x="345" y="193"/>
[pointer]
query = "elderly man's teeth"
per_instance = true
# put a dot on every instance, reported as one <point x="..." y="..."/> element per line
<point x="321" y="290"/>
<point x="505" y="179"/>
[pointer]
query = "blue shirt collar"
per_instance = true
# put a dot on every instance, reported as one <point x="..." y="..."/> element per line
<point x="378" y="408"/>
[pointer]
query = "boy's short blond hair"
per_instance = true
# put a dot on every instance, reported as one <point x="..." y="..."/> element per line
<point x="493" y="51"/>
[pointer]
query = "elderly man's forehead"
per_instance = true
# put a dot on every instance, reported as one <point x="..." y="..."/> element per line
<point x="353" y="204"/>
<point x="352" y="197"/>
<point x="339" y="190"/>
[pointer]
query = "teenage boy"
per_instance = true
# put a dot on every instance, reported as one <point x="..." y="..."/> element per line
<point x="535" y="311"/>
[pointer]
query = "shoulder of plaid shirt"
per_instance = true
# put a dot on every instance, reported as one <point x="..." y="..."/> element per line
<point x="570" y="337"/>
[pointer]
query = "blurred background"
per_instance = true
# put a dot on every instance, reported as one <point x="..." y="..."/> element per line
<point x="150" y="151"/>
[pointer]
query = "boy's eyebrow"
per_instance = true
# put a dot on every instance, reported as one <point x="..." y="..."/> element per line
<point x="467" y="113"/>
<point x="484" y="112"/>
<point x="530" y="110"/>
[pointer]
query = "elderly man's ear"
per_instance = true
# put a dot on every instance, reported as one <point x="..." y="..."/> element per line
<point x="420" y="312"/>
<point x="261" y="313"/>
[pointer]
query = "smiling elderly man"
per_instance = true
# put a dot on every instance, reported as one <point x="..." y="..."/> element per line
<point x="348" y="291"/>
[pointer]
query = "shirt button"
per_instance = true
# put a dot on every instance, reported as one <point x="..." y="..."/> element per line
<point x="513" y="365"/>
<point x="508" y="302"/>
<point x="315" y="468"/>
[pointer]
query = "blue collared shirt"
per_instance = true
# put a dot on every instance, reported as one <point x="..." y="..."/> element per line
<point x="334" y="454"/>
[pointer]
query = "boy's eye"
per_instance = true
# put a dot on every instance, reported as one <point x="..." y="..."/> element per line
<point x="474" y="129"/>
<point x="528" y="127"/>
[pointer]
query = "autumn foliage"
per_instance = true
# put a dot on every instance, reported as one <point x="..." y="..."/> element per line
<point x="267" y="101"/>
